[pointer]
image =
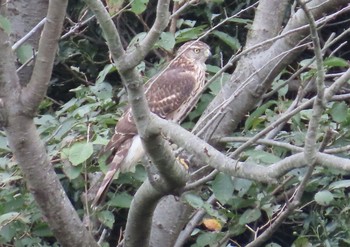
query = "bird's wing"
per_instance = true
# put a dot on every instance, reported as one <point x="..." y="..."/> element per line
<point x="116" y="150"/>
<point x="165" y="94"/>
<point x="169" y="91"/>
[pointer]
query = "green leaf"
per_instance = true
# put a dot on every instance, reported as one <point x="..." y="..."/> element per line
<point x="109" y="68"/>
<point x="335" y="62"/>
<point x="138" y="6"/>
<point x="262" y="156"/>
<point x="24" y="53"/>
<point x="223" y="187"/>
<point x="5" y="24"/>
<point x="80" y="152"/>
<point x="72" y="172"/>
<point x="106" y="218"/>
<point x="250" y="122"/>
<point x="102" y="90"/>
<point x="324" y="197"/>
<point x="242" y="185"/>
<point x="8" y="217"/>
<point x="166" y="41"/>
<point x="273" y="245"/>
<point x="339" y="111"/>
<point x="340" y="184"/>
<point x="187" y="34"/>
<point x="249" y="215"/>
<point x="302" y="242"/>
<point x="228" y="40"/>
<point x="194" y="200"/>
<point x="121" y="200"/>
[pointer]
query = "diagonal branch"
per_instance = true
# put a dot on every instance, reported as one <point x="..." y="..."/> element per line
<point x="35" y="91"/>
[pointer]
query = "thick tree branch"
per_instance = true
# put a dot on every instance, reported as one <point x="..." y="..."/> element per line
<point x="158" y="150"/>
<point x="268" y="174"/>
<point x="137" y="53"/>
<point x="265" y="25"/>
<point x="25" y="141"/>
<point x="248" y="98"/>
<point x="36" y="89"/>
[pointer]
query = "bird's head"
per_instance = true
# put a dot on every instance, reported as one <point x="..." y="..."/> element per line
<point x="195" y="51"/>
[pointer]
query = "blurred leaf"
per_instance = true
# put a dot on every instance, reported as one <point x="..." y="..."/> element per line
<point x="339" y="111"/>
<point x="335" y="62"/>
<point x="3" y="144"/>
<point x="249" y="216"/>
<point x="262" y="156"/>
<point x="24" y="53"/>
<point x="340" y="184"/>
<point x="109" y="68"/>
<point x="72" y="172"/>
<point x="212" y="224"/>
<point x="5" y="24"/>
<point x="223" y="187"/>
<point x="324" y="197"/>
<point x="227" y="39"/>
<point x="241" y="185"/>
<point x="121" y="200"/>
<point x="302" y="242"/>
<point x="106" y="218"/>
<point x="8" y="217"/>
<point x="208" y="239"/>
<point x="80" y="152"/>
<point x="240" y="20"/>
<point x="194" y="200"/>
<point x="189" y="33"/>
<point x="114" y="6"/>
<point x="249" y="123"/>
<point x="102" y="90"/>
<point x="166" y="41"/>
<point x="273" y="245"/>
<point x="138" y="6"/>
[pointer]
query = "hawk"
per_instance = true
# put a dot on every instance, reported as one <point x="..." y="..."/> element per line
<point x="171" y="95"/>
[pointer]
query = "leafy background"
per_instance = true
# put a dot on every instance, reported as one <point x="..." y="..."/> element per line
<point x="85" y="100"/>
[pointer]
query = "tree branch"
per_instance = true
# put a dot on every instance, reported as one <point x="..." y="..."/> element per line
<point x="25" y="141"/>
<point x="137" y="53"/>
<point x="36" y="89"/>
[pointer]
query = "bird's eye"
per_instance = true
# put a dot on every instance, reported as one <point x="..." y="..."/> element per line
<point x="196" y="50"/>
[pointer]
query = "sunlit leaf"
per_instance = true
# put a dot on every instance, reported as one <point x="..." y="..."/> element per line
<point x="8" y="217"/>
<point x="324" y="197"/>
<point x="212" y="224"/>
<point x="340" y="184"/>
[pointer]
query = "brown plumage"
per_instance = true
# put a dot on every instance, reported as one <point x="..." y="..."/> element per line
<point x="171" y="95"/>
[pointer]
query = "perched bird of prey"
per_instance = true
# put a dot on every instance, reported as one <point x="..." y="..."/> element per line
<point x="171" y="95"/>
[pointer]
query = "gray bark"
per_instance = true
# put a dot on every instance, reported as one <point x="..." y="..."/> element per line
<point x="24" y="15"/>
